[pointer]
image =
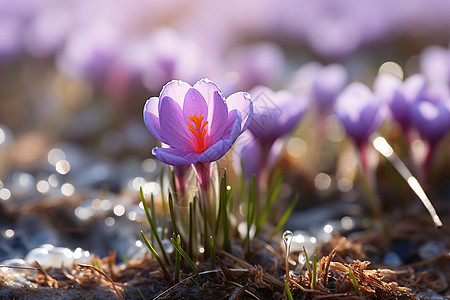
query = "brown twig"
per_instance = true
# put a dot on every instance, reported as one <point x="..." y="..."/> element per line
<point x="106" y="276"/>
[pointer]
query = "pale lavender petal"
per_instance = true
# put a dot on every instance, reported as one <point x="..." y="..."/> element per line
<point x="358" y="109"/>
<point x="432" y="119"/>
<point x="219" y="117"/>
<point x="232" y="115"/>
<point x="176" y="157"/>
<point x="174" y="124"/>
<point x="327" y="85"/>
<point x="176" y="89"/>
<point x="219" y="149"/>
<point x="207" y="88"/>
<point x="151" y="117"/>
<point x="194" y="104"/>
<point x="243" y="103"/>
<point x="247" y="155"/>
<point x="435" y="63"/>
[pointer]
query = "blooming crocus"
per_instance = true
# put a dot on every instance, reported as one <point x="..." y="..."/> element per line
<point x="431" y="117"/>
<point x="435" y="64"/>
<point x="275" y="113"/>
<point x="327" y="84"/>
<point x="360" y="112"/>
<point x="248" y="157"/>
<point x="195" y="121"/>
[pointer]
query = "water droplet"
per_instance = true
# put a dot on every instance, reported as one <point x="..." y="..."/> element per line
<point x="287" y="236"/>
<point x="55" y="155"/>
<point x="42" y="186"/>
<point x="9" y="233"/>
<point x="67" y="189"/>
<point x="287" y="239"/>
<point x="5" y="194"/>
<point x="119" y="210"/>
<point x="62" y="167"/>
<point x="149" y="165"/>
<point x="109" y="221"/>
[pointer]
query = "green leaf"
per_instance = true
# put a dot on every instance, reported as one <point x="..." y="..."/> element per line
<point x="156" y="256"/>
<point x="286" y="214"/>
<point x="152" y="225"/>
<point x="271" y="197"/>
<point x="355" y="283"/>
<point x="177" y="259"/>
<point x="213" y="252"/>
<point x="223" y="199"/>
<point x="288" y="291"/>
<point x="314" y="277"/>
<point x="172" y="215"/>
<point x="308" y="265"/>
<point x="187" y="258"/>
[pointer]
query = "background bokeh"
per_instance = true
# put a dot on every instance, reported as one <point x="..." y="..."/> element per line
<point x="75" y="74"/>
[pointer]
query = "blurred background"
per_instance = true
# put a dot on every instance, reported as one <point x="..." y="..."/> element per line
<point x="75" y="74"/>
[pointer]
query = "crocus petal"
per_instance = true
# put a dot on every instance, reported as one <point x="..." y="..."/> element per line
<point x="151" y="117"/>
<point x="194" y="104"/>
<point x="174" y="123"/>
<point x="432" y="119"/>
<point x="207" y="88"/>
<point x="174" y="156"/>
<point x="328" y="83"/>
<point x="243" y="103"/>
<point x="218" y="118"/>
<point x="175" y="89"/>
<point x="247" y="155"/>
<point x="219" y="149"/>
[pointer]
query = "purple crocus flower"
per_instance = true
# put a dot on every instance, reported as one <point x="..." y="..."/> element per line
<point x="431" y="116"/>
<point x="195" y="121"/>
<point x="275" y="113"/>
<point x="248" y="155"/>
<point x="359" y="111"/>
<point x="435" y="63"/>
<point x="327" y="84"/>
<point x="411" y="91"/>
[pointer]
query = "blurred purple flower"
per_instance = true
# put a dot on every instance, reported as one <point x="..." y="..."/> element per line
<point x="248" y="156"/>
<point x="261" y="63"/>
<point x="431" y="116"/>
<point x="196" y="122"/>
<point x="89" y="52"/>
<point x="328" y="83"/>
<point x="359" y="111"/>
<point x="435" y="64"/>
<point x="275" y="113"/>
<point x="411" y="91"/>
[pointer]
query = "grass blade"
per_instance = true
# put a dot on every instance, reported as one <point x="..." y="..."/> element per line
<point x="187" y="258"/>
<point x="223" y="200"/>
<point x="314" y="277"/>
<point x="308" y="265"/>
<point x="286" y="215"/>
<point x="156" y="256"/>
<point x="172" y="215"/>
<point x="288" y="290"/>
<point x="213" y="252"/>
<point x="152" y="225"/>
<point x="140" y="293"/>
<point x="191" y="227"/>
<point x="205" y="228"/>
<point x="271" y="197"/>
<point x="177" y="260"/>
<point x="355" y="283"/>
<point x="163" y="198"/>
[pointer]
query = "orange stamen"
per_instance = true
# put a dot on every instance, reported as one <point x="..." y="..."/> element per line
<point x="199" y="131"/>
